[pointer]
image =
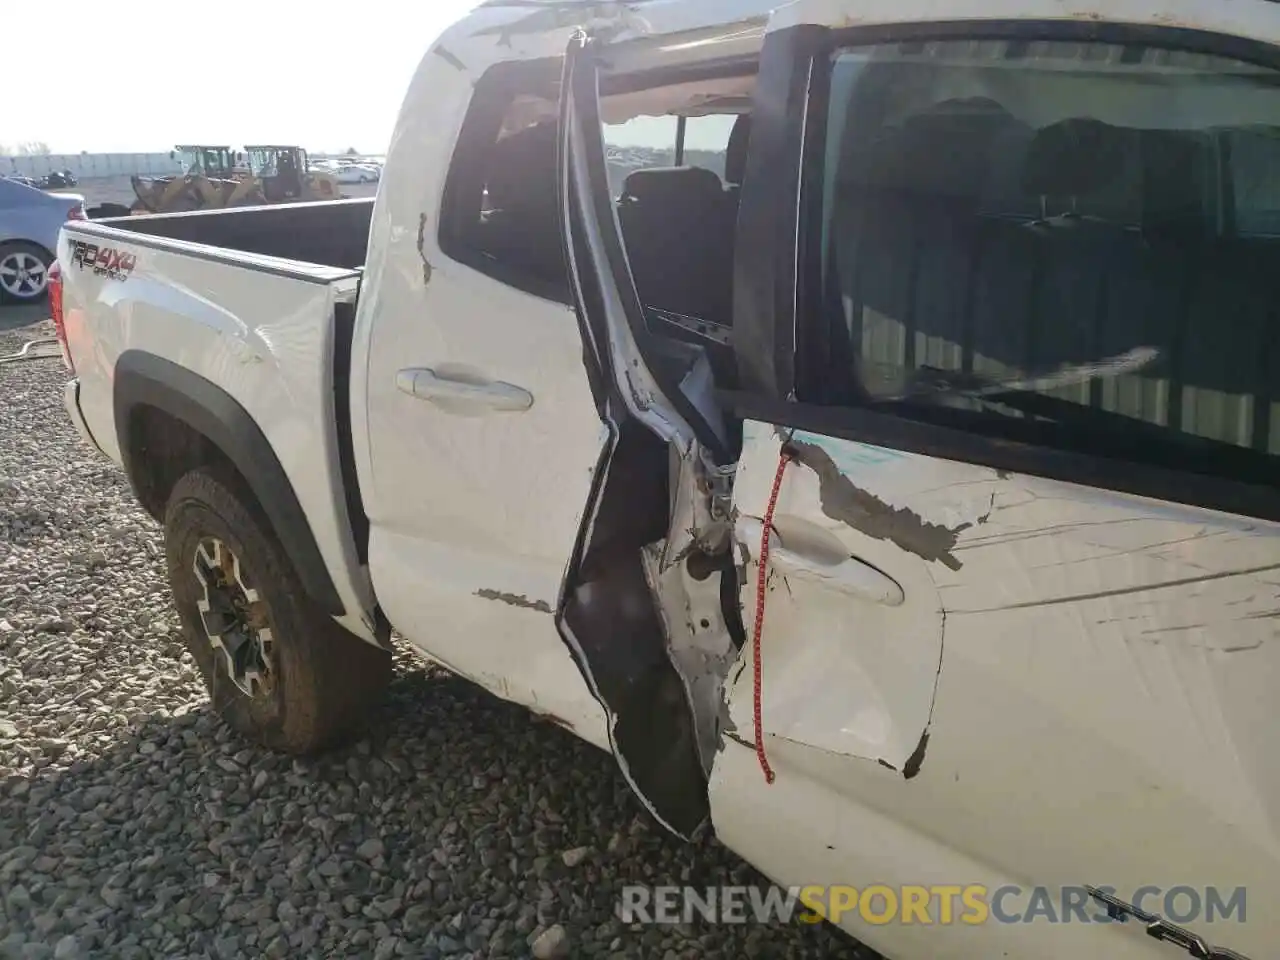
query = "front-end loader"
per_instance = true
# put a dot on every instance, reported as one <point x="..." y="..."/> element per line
<point x="208" y="180"/>
<point x="284" y="177"/>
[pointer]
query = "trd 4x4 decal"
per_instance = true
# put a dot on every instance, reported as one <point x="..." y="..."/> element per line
<point x="103" y="261"/>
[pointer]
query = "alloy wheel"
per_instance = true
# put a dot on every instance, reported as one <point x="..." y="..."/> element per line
<point x="23" y="275"/>
<point x="235" y="619"/>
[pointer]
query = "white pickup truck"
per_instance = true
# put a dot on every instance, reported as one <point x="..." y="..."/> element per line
<point x="900" y="497"/>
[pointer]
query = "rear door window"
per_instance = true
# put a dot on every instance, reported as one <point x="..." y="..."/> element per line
<point x="1070" y="244"/>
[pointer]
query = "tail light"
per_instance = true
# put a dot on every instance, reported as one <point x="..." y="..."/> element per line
<point x="77" y="212"/>
<point x="55" y="310"/>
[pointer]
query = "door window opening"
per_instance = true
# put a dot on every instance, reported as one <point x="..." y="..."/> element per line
<point x="1074" y="245"/>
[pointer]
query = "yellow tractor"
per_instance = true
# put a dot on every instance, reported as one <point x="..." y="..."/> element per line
<point x="217" y="176"/>
<point x="284" y="177"/>
<point x="208" y="180"/>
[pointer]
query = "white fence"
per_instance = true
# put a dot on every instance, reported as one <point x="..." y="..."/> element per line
<point x="86" y="166"/>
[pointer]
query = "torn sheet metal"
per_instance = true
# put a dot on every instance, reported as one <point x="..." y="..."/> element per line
<point x="699" y="643"/>
<point x="701" y="507"/>
<point x="853" y="631"/>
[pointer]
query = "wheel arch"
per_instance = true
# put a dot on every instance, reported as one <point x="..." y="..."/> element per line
<point x="26" y="241"/>
<point x="193" y="422"/>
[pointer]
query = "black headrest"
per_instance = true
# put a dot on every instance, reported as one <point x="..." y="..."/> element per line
<point x="1174" y="168"/>
<point x="672" y="186"/>
<point x="735" y="152"/>
<point x="944" y="151"/>
<point x="520" y="167"/>
<point x="1073" y="158"/>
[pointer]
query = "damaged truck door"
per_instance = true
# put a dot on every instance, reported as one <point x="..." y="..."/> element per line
<point x="854" y="620"/>
<point x="626" y="606"/>
<point x="1007" y="384"/>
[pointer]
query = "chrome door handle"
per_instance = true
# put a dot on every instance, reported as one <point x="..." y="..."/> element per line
<point x="848" y="575"/>
<point x="463" y="395"/>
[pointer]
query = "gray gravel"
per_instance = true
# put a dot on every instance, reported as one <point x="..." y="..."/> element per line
<point x="132" y="824"/>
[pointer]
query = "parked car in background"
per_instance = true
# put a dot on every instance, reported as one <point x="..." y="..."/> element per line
<point x="29" y="224"/>
<point x="19" y="178"/>
<point x="57" y="180"/>
<point x="358" y="173"/>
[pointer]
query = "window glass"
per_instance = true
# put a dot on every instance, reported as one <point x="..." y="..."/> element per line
<point x="1255" y="178"/>
<point x="637" y="144"/>
<point x="644" y="142"/>
<point x="676" y="212"/>
<point x="1038" y="240"/>
<point x="500" y="212"/>
<point x="706" y="141"/>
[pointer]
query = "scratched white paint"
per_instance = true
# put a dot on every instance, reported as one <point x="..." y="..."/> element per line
<point x="850" y="673"/>
<point x="1102" y="713"/>
<point x="462" y="507"/>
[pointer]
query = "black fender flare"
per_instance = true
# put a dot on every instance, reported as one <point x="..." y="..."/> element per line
<point x="145" y="380"/>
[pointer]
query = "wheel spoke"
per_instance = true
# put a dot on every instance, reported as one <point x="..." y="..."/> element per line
<point x="234" y="618"/>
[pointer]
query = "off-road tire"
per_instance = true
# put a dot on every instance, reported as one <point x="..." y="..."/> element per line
<point x="325" y="678"/>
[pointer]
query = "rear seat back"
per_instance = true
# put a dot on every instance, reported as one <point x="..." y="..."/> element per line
<point x="943" y="262"/>
<point x="677" y="223"/>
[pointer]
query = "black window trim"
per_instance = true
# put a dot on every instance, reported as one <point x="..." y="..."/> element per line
<point x="789" y="399"/>
<point x="490" y="100"/>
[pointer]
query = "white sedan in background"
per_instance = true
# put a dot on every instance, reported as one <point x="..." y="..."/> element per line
<point x="358" y="173"/>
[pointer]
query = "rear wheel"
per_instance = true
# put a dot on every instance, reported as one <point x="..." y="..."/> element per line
<point x="278" y="670"/>
<point x="24" y="271"/>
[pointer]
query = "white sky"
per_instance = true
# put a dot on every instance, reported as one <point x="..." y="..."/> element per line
<point x="146" y="75"/>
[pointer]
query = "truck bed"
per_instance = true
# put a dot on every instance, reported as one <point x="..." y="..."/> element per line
<point x="332" y="233"/>
<point x="223" y="325"/>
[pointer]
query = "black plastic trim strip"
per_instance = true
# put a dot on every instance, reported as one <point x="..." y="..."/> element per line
<point x="344" y="323"/>
<point x="143" y="379"/>
<point x="81" y="420"/>
<point x="1078" y="31"/>
<point x="764" y="271"/>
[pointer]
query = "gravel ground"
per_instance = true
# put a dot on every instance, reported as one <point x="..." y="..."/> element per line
<point x="132" y="824"/>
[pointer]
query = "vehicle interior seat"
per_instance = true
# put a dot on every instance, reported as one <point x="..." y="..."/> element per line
<point x="677" y="224"/>
<point x="946" y="262"/>
<point x="911" y="247"/>
<point x="735" y="156"/>
<point x="521" y="229"/>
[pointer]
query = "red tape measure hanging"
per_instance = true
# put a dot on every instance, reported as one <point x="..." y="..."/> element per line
<point x="762" y="582"/>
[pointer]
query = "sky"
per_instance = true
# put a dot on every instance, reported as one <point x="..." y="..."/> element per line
<point x="144" y="76"/>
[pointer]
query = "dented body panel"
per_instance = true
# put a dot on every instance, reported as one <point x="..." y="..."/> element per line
<point x="1102" y="703"/>
<point x="854" y="620"/>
